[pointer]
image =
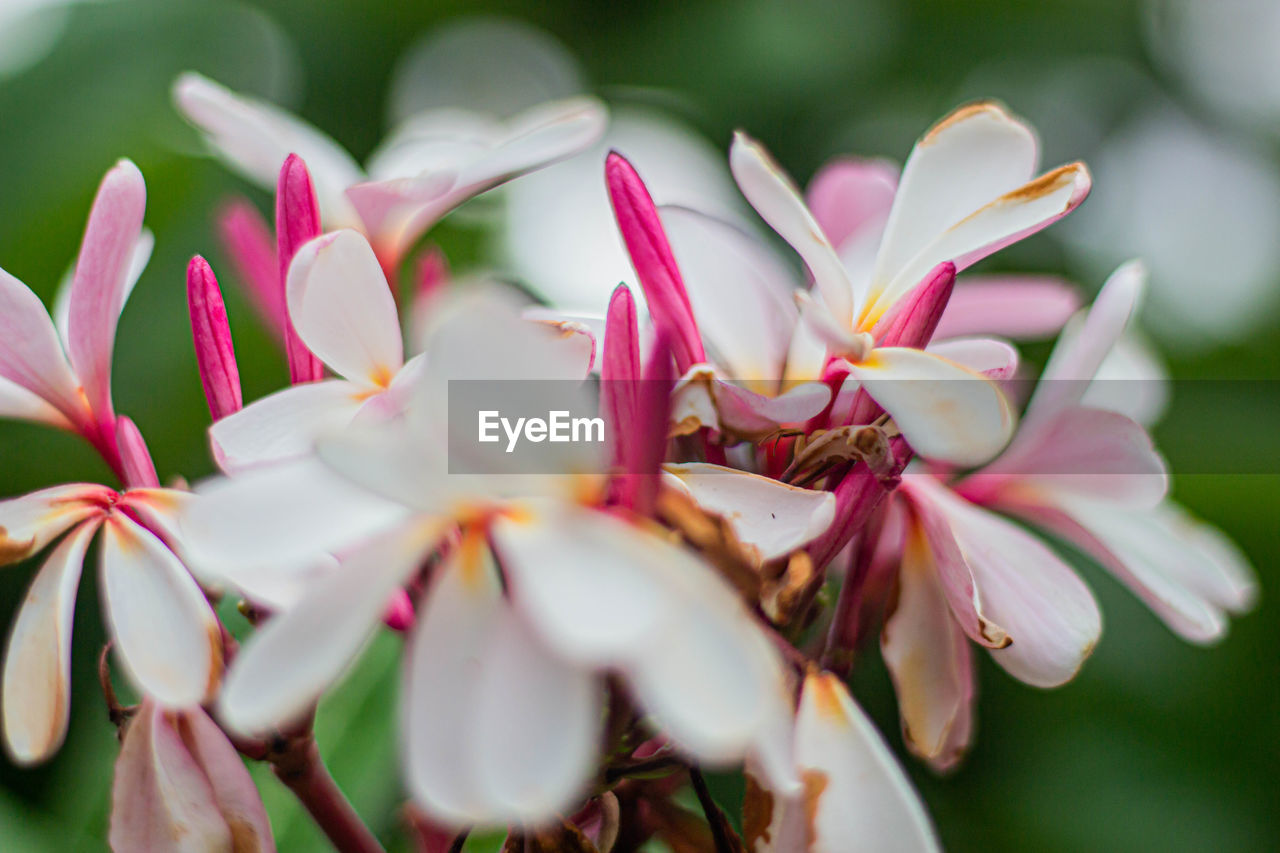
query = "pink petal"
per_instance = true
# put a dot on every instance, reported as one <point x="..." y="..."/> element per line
<point x="160" y="793"/>
<point x="297" y="222"/>
<point x="247" y="238"/>
<point x="139" y="469"/>
<point x="653" y="261"/>
<point x="1076" y="359"/>
<point x="211" y="332"/>
<point x="913" y="320"/>
<point x="1023" y="307"/>
<point x="1084" y="451"/>
<point x="20" y="404"/>
<point x="37" y="665"/>
<point x="847" y="194"/>
<point x="31" y="356"/>
<point x="102" y="274"/>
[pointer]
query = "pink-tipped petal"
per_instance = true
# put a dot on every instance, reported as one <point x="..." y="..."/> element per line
<point x="246" y="237"/>
<point x="31" y="355"/>
<point x="103" y="271"/>
<point x="37" y="664"/>
<point x="211" y="333"/>
<point x="992" y="358"/>
<point x="178" y="777"/>
<point x="297" y="222"/>
<point x="32" y="521"/>
<point x="654" y="263"/>
<point x="913" y="321"/>
<point x="139" y="469"/>
<point x="848" y="194"/>
<point x="20" y="404"/>
<point x="1012" y="306"/>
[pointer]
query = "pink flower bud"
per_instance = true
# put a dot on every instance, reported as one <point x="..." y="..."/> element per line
<point x="179" y="784"/>
<point x="215" y="355"/>
<point x="654" y="263"/>
<point x="139" y="470"/>
<point x="297" y="221"/>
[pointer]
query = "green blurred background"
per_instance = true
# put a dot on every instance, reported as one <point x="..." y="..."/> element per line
<point x="1156" y="745"/>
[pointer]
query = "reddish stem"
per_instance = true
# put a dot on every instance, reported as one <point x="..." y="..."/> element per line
<point x="302" y="771"/>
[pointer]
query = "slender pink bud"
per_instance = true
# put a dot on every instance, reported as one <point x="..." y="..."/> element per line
<point x="620" y="368"/>
<point x="139" y="470"/>
<point x="215" y="356"/>
<point x="654" y="263"/>
<point x="247" y="239"/>
<point x="653" y="418"/>
<point x="179" y="783"/>
<point x="912" y="321"/>
<point x="399" y="615"/>
<point x="297" y="221"/>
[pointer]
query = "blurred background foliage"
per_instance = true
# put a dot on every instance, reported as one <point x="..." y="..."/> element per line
<point x="1176" y="104"/>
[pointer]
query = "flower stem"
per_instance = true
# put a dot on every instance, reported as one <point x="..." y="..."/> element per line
<point x="720" y="832"/>
<point x="302" y="771"/>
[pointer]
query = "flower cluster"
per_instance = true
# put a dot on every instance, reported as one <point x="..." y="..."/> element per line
<point x="803" y="445"/>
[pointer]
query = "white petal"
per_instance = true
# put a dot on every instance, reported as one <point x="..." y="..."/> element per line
<point x="279" y="514"/>
<point x="779" y="203"/>
<point x="343" y="309"/>
<point x="1159" y="555"/>
<point x="1046" y="609"/>
<point x="1131" y="380"/>
<point x="537" y="725"/>
<point x="594" y="587"/>
<point x="285" y="424"/>
<point x="710" y="678"/>
<point x="992" y="358"/>
<point x="858" y="790"/>
<point x="974" y="155"/>
<point x="740" y="291"/>
<point x="37" y="663"/>
<point x="929" y="658"/>
<point x="443" y="672"/>
<point x="945" y="411"/>
<point x="256" y="137"/>
<point x="297" y="654"/>
<point x="165" y="634"/>
<point x="772" y="517"/>
<point x="30" y="522"/>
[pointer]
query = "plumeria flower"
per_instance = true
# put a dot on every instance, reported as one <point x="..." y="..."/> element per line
<point x="160" y="624"/>
<point x="178" y="777"/>
<point x="852" y="198"/>
<point x="1090" y="475"/>
<point x="966" y="191"/>
<point x="545" y="587"/>
<point x="60" y="374"/>
<point x="855" y="795"/>
<point x="342" y="309"/>
<point x="432" y="163"/>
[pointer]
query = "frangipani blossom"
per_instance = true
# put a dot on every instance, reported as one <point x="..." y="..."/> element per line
<point x="162" y="628"/>
<point x="966" y="191"/>
<point x="551" y="592"/>
<point x="430" y="165"/>
<point x="179" y="780"/>
<point x="855" y="795"/>
<point x="344" y="313"/>
<point x="60" y="374"/>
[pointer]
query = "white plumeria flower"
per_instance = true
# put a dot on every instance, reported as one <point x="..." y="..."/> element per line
<point x="855" y="795"/>
<point x="429" y="165"/>
<point x="162" y="627"/>
<point x="967" y="189"/>
<point x="342" y="309"/>
<point x="581" y="593"/>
